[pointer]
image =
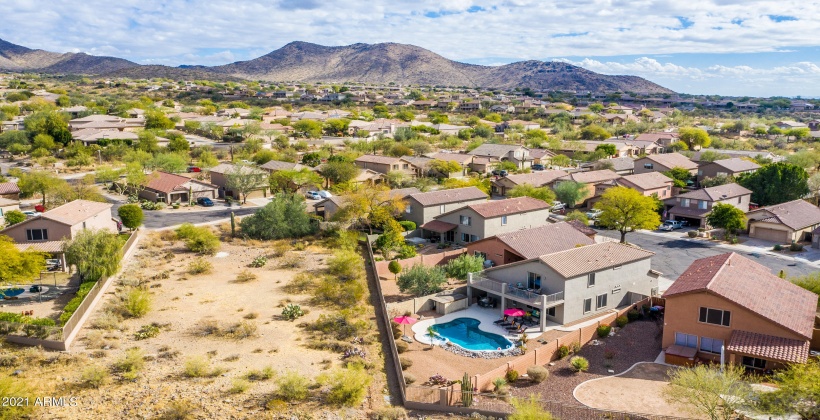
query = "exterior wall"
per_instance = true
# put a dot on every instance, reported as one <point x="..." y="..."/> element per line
<point x="632" y="277"/>
<point x="551" y="282"/>
<point x="378" y="167"/>
<point x="639" y="169"/>
<point x="56" y="231"/>
<point x="711" y="170"/>
<point x="421" y="215"/>
<point x="495" y="251"/>
<point x="790" y="234"/>
<point x="484" y="228"/>
<point x="149" y="195"/>
<point x="330" y="209"/>
<point x="101" y="220"/>
<point x="683" y="311"/>
<point x="218" y="179"/>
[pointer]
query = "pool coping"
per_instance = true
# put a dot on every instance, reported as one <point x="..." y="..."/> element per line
<point x="449" y="341"/>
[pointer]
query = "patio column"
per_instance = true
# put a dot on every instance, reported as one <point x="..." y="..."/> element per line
<point x="543" y="320"/>
<point x="469" y="289"/>
<point x="503" y="297"/>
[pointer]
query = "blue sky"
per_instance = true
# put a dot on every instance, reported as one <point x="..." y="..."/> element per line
<point x="729" y="47"/>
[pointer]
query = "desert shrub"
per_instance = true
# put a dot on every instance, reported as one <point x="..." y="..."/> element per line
<point x="177" y="410"/>
<point x="292" y="260"/>
<point x="407" y="225"/>
<point x="422" y="280"/>
<point x="278" y="249"/>
<point x="283" y="217"/>
<point x="94" y="376"/>
<point x="245" y="276"/>
<point x="292" y="386"/>
<point x="200" y="367"/>
<point x="692" y="233"/>
<point x="463" y="265"/>
<point x="263" y="375"/>
<point x="390" y="413"/>
<point x="499" y="385"/>
<point x="200" y="266"/>
<point x="347" y="387"/>
<point x="341" y="325"/>
<point x="147" y="331"/>
<point x="259" y="261"/>
<point x="241" y="330"/>
<point x="621" y="321"/>
<point x="336" y="293"/>
<point x="409" y="379"/>
<point x="777" y="247"/>
<point x="292" y="311"/>
<point x="405" y="251"/>
<point x="239" y="386"/>
<point x="405" y="363"/>
<point x="579" y="364"/>
<point x="563" y="351"/>
<point x="529" y="409"/>
<point x="401" y="347"/>
<point x="300" y="283"/>
<point x="633" y="315"/>
<point x="795" y="247"/>
<point x="130" y="365"/>
<point x="136" y="303"/>
<point x="16" y="386"/>
<point x="397" y="331"/>
<point x="511" y="375"/>
<point x="199" y="239"/>
<point x="575" y="347"/>
<point x="538" y="374"/>
<point x="346" y="266"/>
<point x="604" y="330"/>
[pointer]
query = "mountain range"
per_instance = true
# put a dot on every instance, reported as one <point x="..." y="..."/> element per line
<point x="364" y="63"/>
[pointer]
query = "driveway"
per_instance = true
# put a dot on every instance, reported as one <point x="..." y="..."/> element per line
<point x="673" y="255"/>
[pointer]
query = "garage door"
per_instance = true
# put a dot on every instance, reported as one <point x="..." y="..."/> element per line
<point x="771" y="235"/>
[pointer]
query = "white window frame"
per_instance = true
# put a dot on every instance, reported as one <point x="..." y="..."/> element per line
<point x="587" y="305"/>
<point x="468" y="219"/>
<point x="725" y="320"/>
<point x="503" y="220"/>
<point x="441" y="209"/>
<point x="591" y="280"/>
<point x="710" y="345"/>
<point x="598" y="305"/>
<point x="686" y="339"/>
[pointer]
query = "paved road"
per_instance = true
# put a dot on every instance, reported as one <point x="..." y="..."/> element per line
<point x="158" y="219"/>
<point x="673" y="256"/>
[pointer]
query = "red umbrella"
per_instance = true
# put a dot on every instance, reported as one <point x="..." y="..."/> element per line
<point x="514" y="312"/>
<point x="404" y="320"/>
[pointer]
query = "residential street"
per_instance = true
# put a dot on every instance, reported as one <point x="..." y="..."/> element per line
<point x="673" y="256"/>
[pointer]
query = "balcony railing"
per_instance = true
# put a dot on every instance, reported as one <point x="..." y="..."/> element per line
<point x="530" y="297"/>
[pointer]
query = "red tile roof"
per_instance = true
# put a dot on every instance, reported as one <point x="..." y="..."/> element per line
<point x="497" y="208"/>
<point x="9" y="188"/>
<point x="165" y="182"/>
<point x="438" y="226"/>
<point x="752" y="286"/>
<point x="769" y="347"/>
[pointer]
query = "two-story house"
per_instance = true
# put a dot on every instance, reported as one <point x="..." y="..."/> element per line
<point x="728" y="304"/>
<point x="664" y="163"/>
<point x="569" y="285"/>
<point x="648" y="184"/>
<point x="385" y="164"/>
<point x="510" y="247"/>
<point x="785" y="222"/>
<point x="478" y="221"/>
<point x="695" y="206"/>
<point x="519" y="155"/>
<point x="503" y="185"/>
<point x="422" y="207"/>
<point x="732" y="167"/>
<point x="589" y="178"/>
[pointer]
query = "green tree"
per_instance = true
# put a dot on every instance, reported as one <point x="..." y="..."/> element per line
<point x="371" y="206"/>
<point x="14" y="217"/>
<point x="178" y="143"/>
<point x="680" y="176"/>
<point x="283" y="217"/>
<point x="607" y="148"/>
<point x="339" y="172"/>
<point x="625" y="210"/>
<point x="798" y="133"/>
<point x="561" y="161"/>
<point x="244" y="179"/>
<point x="528" y="190"/>
<point x="158" y="120"/>
<point x="810" y="282"/>
<point x="95" y="253"/>
<point x="406" y="115"/>
<point x="460" y="267"/>
<point x="798" y="391"/>
<point x="19" y="266"/>
<point x="695" y="137"/>
<point x="394" y="267"/>
<point x="445" y="167"/>
<point x="727" y="217"/>
<point x="595" y="132"/>
<point x="596" y="108"/>
<point x="776" y="183"/>
<point x="570" y="192"/>
<point x="131" y="215"/>
<point x="207" y="159"/>
<point x="577" y="215"/>
<point x="147" y="141"/>
<point x="422" y="280"/>
<point x="39" y="182"/>
<point x="308" y="128"/>
<point x="292" y="180"/>
<point x="709" y="390"/>
<point x="311" y="159"/>
<point x="46" y="122"/>
<point x="44" y="141"/>
<point x="720" y="179"/>
<point x="391" y="239"/>
<point x="711" y="156"/>
<point x="169" y="162"/>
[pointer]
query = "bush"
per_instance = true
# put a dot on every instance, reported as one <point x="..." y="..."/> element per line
<point x="239" y="386"/>
<point x="130" y="365"/>
<point x="538" y="374"/>
<point x="633" y="315"/>
<point x="422" y="280"/>
<point x="348" y="387"/>
<point x="346" y="265"/>
<point x="406" y="251"/>
<point x="94" y="376"/>
<point x="621" y="321"/>
<point x="200" y="367"/>
<point x="264" y="375"/>
<point x="14" y="217"/>
<point x="245" y="276"/>
<point x="529" y="409"/>
<point x="19" y="387"/>
<point x="177" y="410"/>
<point x="333" y="292"/>
<point x="292" y="260"/>
<point x="795" y="247"/>
<point x="147" y="331"/>
<point x="401" y="347"/>
<point x="108" y="320"/>
<point x="300" y="283"/>
<point x="407" y="225"/>
<point x="131" y="215"/>
<point x="575" y="347"/>
<point x="604" y="330"/>
<point x="390" y="413"/>
<point x="259" y="261"/>
<point x="579" y="364"/>
<point x="409" y="379"/>
<point x="292" y="311"/>
<point x="405" y="363"/>
<point x="198" y="239"/>
<point x="136" y="303"/>
<point x="777" y="247"/>
<point x="563" y="351"/>
<point x="292" y="386"/>
<point x="459" y="268"/>
<point x="511" y="376"/>
<point x="692" y="233"/>
<point x="283" y="217"/>
<point x="200" y="266"/>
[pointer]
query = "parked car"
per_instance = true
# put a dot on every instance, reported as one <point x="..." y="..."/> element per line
<point x="32" y="213"/>
<point x="500" y="172"/>
<point x="324" y="194"/>
<point x="205" y="202"/>
<point x="557" y="205"/>
<point x="538" y="167"/>
<point x="194" y="169"/>
<point x="313" y="195"/>
<point x="671" y="225"/>
<point x="593" y="214"/>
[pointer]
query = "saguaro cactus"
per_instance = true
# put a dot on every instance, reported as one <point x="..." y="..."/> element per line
<point x="467" y="390"/>
<point x="233" y="225"/>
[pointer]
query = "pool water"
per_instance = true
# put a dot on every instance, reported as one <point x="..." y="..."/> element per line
<point x="464" y="332"/>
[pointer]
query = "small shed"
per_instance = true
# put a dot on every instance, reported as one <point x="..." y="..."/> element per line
<point x="446" y="304"/>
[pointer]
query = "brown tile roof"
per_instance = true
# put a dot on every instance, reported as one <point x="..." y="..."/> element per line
<point x="52" y="247"/>
<point x="797" y="214"/>
<point x="384" y="160"/>
<point x="226" y="168"/>
<point x="9" y="188"/>
<point x="575" y="262"/>
<point x="769" y="347"/>
<point x="455" y="195"/>
<point x="689" y="211"/>
<point x="547" y="239"/>
<point x="654" y="137"/>
<point x="438" y="226"/>
<point x="592" y="177"/>
<point x="620" y="163"/>
<point x="165" y="182"/>
<point x="461" y="158"/>
<point x="275" y="165"/>
<point x="647" y="180"/>
<point x="721" y="192"/>
<point x="672" y="160"/>
<point x="581" y="227"/>
<point x="752" y="286"/>
<point x="540" y="153"/>
<point x="76" y="211"/>
<point x="536" y="178"/>
<point x="736" y="164"/>
<point x="497" y="208"/>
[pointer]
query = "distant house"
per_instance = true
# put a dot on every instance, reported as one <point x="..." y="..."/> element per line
<point x="422" y="207"/>
<point x="620" y="165"/>
<point x="501" y="186"/>
<point x="648" y="184"/>
<point x="784" y="222"/>
<point x="9" y="190"/>
<point x="526" y="125"/>
<point x="385" y="164"/>
<point x="7" y="205"/>
<point x="732" y="167"/>
<point x="474" y="222"/>
<point x="788" y="125"/>
<point x="751" y="154"/>
<point x="664" y="163"/>
<point x="541" y="156"/>
<point x="662" y="139"/>
<point x="519" y="155"/>
<point x="219" y="177"/>
<point x="276" y="165"/>
<point x="695" y="206"/>
<point x="510" y="247"/>
<point x="590" y="179"/>
<point x="167" y="188"/>
<point x="732" y="305"/>
<point x="328" y="207"/>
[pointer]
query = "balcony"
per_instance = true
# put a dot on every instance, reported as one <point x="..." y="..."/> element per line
<point x="532" y="298"/>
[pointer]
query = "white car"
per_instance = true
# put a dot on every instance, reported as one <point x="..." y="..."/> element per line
<point x="671" y="225"/>
<point x="32" y="213"/>
<point x="557" y="205"/>
<point x="313" y="195"/>
<point x="324" y="194"/>
<point x="593" y="214"/>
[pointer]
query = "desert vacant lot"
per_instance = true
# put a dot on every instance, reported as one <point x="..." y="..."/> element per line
<point x="231" y="326"/>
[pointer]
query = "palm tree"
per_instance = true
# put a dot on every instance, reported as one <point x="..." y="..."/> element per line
<point x="432" y="333"/>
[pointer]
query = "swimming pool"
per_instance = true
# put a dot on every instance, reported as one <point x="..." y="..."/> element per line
<point x="464" y="332"/>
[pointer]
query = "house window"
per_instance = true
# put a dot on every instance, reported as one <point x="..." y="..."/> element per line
<point x="684" y="202"/>
<point x="738" y="200"/>
<point x="395" y="167"/>
<point x="710" y="345"/>
<point x="653" y="291"/>
<point x="600" y="301"/>
<point x="587" y="305"/>
<point x="441" y="209"/>
<point x="533" y="281"/>
<point x="702" y="204"/>
<point x="405" y="166"/>
<point x="480" y="254"/>
<point x="37" y="234"/>
<point x="648" y="166"/>
<point x="465" y="237"/>
<point x="503" y="220"/>
<point x="686" y="340"/>
<point x="590" y="279"/>
<point x="700" y="172"/>
<point x="715" y="316"/>
<point x="754" y="362"/>
<point x="465" y="220"/>
<point x="551" y="311"/>
<point x="473" y="238"/>
<point x="409" y="209"/>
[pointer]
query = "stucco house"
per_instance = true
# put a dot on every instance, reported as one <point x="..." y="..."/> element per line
<point x="510" y="247"/>
<point x="591" y="179"/>
<point x="566" y="286"/>
<point x="9" y="190"/>
<point x="7" y="205"/>
<point x="422" y="207"/>
<point x="276" y="165"/>
<point x="385" y="164"/>
<point x="219" y="177"/>
<point x="519" y="155"/>
<point x="501" y="186"/>
<point x="664" y="162"/>
<point x="478" y="221"/>
<point x="732" y="167"/>
<point x="784" y="222"/>
<point x="330" y="206"/>
<point x="170" y="188"/>
<point x="730" y="304"/>
<point x="695" y="206"/>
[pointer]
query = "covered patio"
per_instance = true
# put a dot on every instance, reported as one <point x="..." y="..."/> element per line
<point x="437" y="229"/>
<point x="765" y="352"/>
<point x="532" y="300"/>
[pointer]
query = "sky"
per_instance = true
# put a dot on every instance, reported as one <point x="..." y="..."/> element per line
<point x="725" y="47"/>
